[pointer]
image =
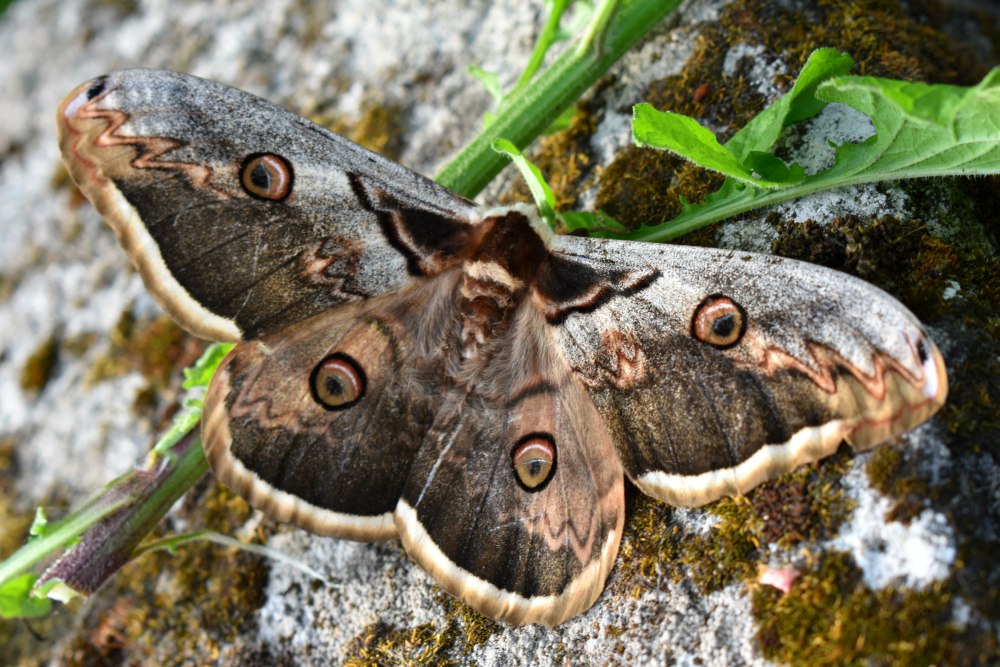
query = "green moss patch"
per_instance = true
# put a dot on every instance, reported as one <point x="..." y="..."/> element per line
<point x="14" y="521"/>
<point x="441" y="643"/>
<point x="806" y="504"/>
<point x="899" y="255"/>
<point x="886" y="472"/>
<point x="654" y="546"/>
<point x="473" y="628"/>
<point x="382" y="644"/>
<point x="972" y="413"/>
<point x="380" y="127"/>
<point x="831" y="618"/>
<point x="157" y="348"/>
<point x="40" y="365"/>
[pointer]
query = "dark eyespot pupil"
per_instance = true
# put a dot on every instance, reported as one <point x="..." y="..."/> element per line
<point x="334" y="385"/>
<point x="260" y="177"/>
<point x="922" y="352"/>
<point x="723" y="326"/>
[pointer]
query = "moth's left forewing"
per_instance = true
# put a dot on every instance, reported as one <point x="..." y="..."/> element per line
<point x="244" y="218"/>
<point x="728" y="368"/>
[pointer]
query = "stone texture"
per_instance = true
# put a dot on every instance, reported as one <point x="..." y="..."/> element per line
<point x="63" y="278"/>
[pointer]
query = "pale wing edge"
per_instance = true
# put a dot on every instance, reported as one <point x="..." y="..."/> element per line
<point x="132" y="234"/>
<point x="549" y="610"/>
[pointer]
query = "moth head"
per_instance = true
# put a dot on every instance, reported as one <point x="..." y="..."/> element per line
<point x="267" y="176"/>
<point x="533" y="460"/>
<point x="719" y="321"/>
<point x="337" y="382"/>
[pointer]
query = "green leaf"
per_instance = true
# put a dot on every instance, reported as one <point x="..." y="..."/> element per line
<point x="774" y="169"/>
<point x="747" y="156"/>
<point x="562" y="223"/>
<point x="17" y="601"/>
<point x="800" y="103"/>
<point x="687" y="138"/>
<point x="55" y="589"/>
<point x="589" y="221"/>
<point x="196" y="377"/>
<point x="540" y="190"/>
<point x="921" y="130"/>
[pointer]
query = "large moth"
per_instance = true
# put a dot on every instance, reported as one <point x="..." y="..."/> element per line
<point x="410" y="364"/>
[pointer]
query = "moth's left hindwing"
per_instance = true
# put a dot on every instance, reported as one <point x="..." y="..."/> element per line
<point x="318" y="425"/>
<point x="515" y="500"/>
<point x="242" y="217"/>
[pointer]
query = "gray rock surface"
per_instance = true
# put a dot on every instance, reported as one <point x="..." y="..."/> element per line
<point x="64" y="278"/>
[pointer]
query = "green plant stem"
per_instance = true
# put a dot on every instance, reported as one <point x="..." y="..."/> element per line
<point x="616" y="27"/>
<point x="148" y="494"/>
<point x="113" y="521"/>
<point x="594" y="36"/>
<point x="712" y="212"/>
<point x="545" y="40"/>
<point x="57" y="536"/>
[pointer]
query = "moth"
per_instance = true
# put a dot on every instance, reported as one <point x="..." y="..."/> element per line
<point x="411" y="364"/>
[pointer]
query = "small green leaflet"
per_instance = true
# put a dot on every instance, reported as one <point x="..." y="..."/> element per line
<point x="196" y="379"/>
<point x="202" y="371"/>
<point x="40" y="524"/>
<point x="540" y="190"/>
<point x="562" y="223"/>
<point x="17" y="601"/>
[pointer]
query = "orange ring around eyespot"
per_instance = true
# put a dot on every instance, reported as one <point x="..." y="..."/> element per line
<point x="345" y="371"/>
<point x="719" y="321"/>
<point x="531" y="449"/>
<point x="267" y="176"/>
